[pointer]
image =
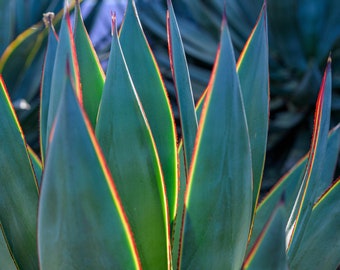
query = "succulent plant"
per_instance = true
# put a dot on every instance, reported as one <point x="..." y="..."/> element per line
<point x="113" y="188"/>
<point x="301" y="35"/>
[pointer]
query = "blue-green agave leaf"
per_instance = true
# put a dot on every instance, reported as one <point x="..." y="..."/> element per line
<point x="81" y="222"/>
<point x="313" y="175"/>
<point x="7" y="262"/>
<point x="253" y="72"/>
<point x="180" y="74"/>
<point x="320" y="244"/>
<point x="269" y="251"/>
<point x="218" y="203"/>
<point x="65" y="52"/>
<point x="289" y="185"/>
<point x="150" y="88"/>
<point x="91" y="73"/>
<point x="19" y="189"/>
<point x="125" y="137"/>
<point x="46" y="81"/>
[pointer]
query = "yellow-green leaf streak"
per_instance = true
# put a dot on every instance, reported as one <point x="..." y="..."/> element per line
<point x="150" y="88"/>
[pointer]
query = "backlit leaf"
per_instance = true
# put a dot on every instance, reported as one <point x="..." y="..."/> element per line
<point x="125" y="137"/>
<point x="81" y="223"/>
<point x="180" y="74"/>
<point x="254" y="79"/>
<point x="219" y="196"/>
<point x="91" y="73"/>
<point x="150" y="88"/>
<point x="19" y="190"/>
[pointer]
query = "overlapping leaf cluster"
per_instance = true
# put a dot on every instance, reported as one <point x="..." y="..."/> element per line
<point x="113" y="189"/>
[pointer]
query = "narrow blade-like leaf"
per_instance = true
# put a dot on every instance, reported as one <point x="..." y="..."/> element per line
<point x="180" y="74"/>
<point x="320" y="245"/>
<point x="313" y="175"/>
<point x="269" y="251"/>
<point x="254" y="79"/>
<point x="65" y="50"/>
<point x="289" y="185"/>
<point x="127" y="143"/>
<point x="91" y="73"/>
<point x="150" y="88"/>
<point x="46" y="81"/>
<point x="219" y="195"/>
<point x="19" y="191"/>
<point x="81" y="223"/>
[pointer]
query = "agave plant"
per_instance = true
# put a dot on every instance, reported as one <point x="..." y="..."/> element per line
<point x="115" y="190"/>
<point x="301" y="34"/>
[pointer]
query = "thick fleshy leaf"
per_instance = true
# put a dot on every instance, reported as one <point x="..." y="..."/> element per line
<point x="253" y="72"/>
<point x="65" y="52"/>
<point x="91" y="73"/>
<point x="81" y="222"/>
<point x="320" y="245"/>
<point x="125" y="137"/>
<point x="36" y="164"/>
<point x="46" y="81"/>
<point x="289" y="185"/>
<point x="177" y="226"/>
<point x="19" y="191"/>
<point x="269" y="251"/>
<point x="149" y="86"/>
<point x="7" y="262"/>
<point x="219" y="196"/>
<point x="313" y="175"/>
<point x="180" y="74"/>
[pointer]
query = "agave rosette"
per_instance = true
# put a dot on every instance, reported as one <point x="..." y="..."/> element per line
<point x="114" y="190"/>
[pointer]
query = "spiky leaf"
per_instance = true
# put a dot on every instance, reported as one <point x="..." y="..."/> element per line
<point x="269" y="251"/>
<point x="81" y="223"/>
<point x="149" y="85"/>
<point x="219" y="196"/>
<point x="254" y="79"/>
<point x="313" y="175"/>
<point x="125" y="137"/>
<point x="184" y="95"/>
<point x="320" y="245"/>
<point x="91" y="73"/>
<point x="19" y="191"/>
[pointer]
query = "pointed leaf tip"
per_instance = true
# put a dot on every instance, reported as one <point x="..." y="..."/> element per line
<point x="113" y="23"/>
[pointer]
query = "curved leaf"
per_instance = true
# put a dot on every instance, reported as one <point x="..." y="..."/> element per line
<point x="184" y="95"/>
<point x="313" y="175"/>
<point x="127" y="143"/>
<point x="65" y="52"/>
<point x="81" y="223"/>
<point x="253" y="72"/>
<point x="46" y="81"/>
<point x="320" y="245"/>
<point x="91" y="73"/>
<point x="150" y="88"/>
<point x="219" y="197"/>
<point x="269" y="251"/>
<point x="19" y="191"/>
<point x="289" y="185"/>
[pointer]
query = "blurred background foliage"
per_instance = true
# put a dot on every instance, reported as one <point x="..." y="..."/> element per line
<point x="302" y="33"/>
